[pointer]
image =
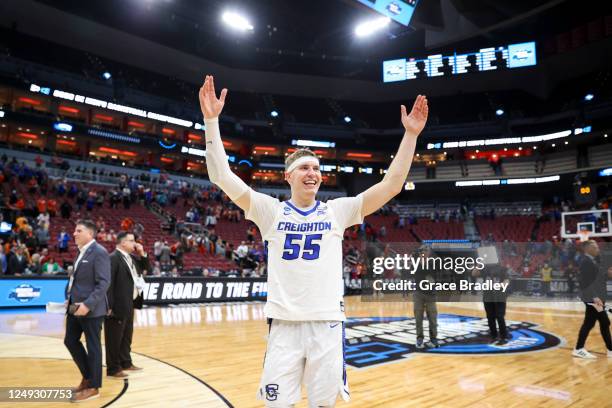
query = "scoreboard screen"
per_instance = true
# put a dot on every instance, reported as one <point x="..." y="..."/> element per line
<point x="398" y="10"/>
<point x="486" y="59"/>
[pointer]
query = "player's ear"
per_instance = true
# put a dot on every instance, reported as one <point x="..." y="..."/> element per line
<point x="286" y="177"/>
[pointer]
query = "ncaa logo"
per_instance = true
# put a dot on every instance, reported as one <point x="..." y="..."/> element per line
<point x="394" y="8"/>
<point x="378" y="340"/>
<point x="24" y="293"/>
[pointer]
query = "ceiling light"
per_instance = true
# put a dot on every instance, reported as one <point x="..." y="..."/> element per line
<point x="236" y="21"/>
<point x="370" y="27"/>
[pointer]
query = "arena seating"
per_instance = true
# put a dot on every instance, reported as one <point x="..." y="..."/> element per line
<point x="512" y="228"/>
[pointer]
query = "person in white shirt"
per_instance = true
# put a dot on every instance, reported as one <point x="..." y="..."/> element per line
<point x="241" y="252"/>
<point x="304" y="242"/>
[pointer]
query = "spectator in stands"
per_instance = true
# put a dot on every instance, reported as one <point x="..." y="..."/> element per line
<point x="189" y="215"/>
<point x="138" y="229"/>
<point x="125" y="197"/>
<point x="157" y="247"/>
<point x="3" y="260"/>
<point x="401" y="223"/>
<point x="229" y="251"/>
<point x="62" y="240"/>
<point x="164" y="257"/>
<point x="42" y="238"/>
<point x="211" y="219"/>
<point x="43" y="219"/>
<point x="52" y="207"/>
<point x="21" y="222"/>
<point x="35" y="266"/>
<point x="100" y="224"/>
<point x="81" y="199"/>
<point x="241" y="252"/>
<point x="179" y="254"/>
<point x="212" y="241"/>
<point x="126" y="224"/>
<point x="110" y="236"/>
<point x="66" y="210"/>
<point x="17" y="261"/>
<point x="51" y="267"/>
<point x="251" y="231"/>
<point x="41" y="205"/>
<point x="156" y="271"/>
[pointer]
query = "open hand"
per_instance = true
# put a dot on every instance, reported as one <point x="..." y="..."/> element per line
<point x="415" y="121"/>
<point x="210" y="105"/>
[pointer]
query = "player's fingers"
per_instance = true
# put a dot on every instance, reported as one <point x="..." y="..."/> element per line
<point x="223" y="94"/>
<point x="403" y="110"/>
<point x="421" y="101"/>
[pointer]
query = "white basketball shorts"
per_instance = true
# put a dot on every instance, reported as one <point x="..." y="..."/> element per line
<point x="312" y="352"/>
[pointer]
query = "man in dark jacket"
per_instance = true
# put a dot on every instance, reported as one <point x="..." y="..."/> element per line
<point x="592" y="279"/>
<point x="16" y="261"/>
<point x="495" y="303"/>
<point x="87" y="306"/>
<point x="425" y="301"/>
<point x="124" y="294"/>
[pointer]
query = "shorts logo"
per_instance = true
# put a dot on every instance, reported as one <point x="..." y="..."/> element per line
<point x="332" y="325"/>
<point x="272" y="392"/>
<point x="377" y="340"/>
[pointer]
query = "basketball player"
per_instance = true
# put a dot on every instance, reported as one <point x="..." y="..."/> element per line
<point x="304" y="243"/>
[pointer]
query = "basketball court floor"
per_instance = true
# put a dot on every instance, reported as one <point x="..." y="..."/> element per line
<point x="211" y="356"/>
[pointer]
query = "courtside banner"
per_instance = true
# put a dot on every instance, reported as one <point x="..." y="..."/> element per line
<point x="160" y="290"/>
<point x="32" y="291"/>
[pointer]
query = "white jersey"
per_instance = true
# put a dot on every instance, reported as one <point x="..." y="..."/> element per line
<point x="304" y="248"/>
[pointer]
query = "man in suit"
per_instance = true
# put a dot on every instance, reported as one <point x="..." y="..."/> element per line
<point x="592" y="280"/>
<point x="495" y="303"/>
<point x="87" y="306"/>
<point x="124" y="294"/>
<point x="17" y="262"/>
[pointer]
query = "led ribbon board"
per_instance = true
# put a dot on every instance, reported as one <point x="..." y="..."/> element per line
<point x="400" y="11"/>
<point x="486" y="59"/>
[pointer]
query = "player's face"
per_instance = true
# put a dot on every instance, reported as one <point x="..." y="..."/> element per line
<point x="305" y="178"/>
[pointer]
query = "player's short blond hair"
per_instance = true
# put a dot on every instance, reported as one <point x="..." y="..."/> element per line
<point x="298" y="154"/>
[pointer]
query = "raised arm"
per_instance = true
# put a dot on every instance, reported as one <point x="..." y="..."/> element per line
<point x="393" y="182"/>
<point x="219" y="170"/>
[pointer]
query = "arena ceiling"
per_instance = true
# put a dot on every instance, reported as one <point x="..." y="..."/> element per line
<point x="317" y="36"/>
